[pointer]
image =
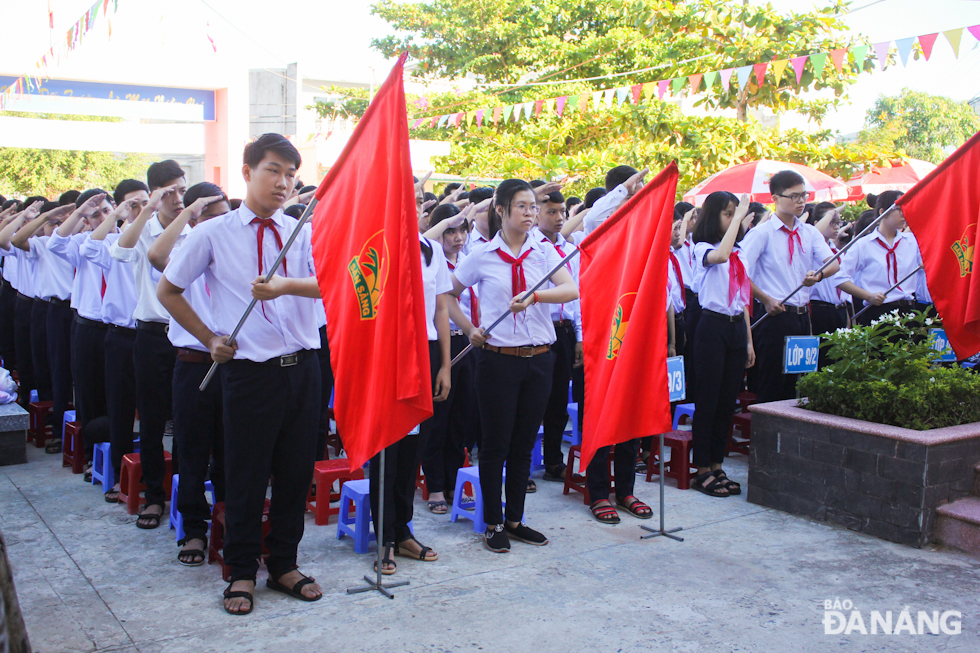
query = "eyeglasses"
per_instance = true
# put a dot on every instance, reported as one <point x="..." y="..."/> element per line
<point x="798" y="197"/>
<point x="521" y="208"/>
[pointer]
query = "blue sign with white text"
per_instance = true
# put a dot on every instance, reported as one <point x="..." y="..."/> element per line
<point x="939" y="342"/>
<point x="676" y="381"/>
<point x="801" y="354"/>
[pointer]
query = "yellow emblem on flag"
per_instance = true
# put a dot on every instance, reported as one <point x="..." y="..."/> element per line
<point x="369" y="272"/>
<point x="621" y="319"/>
<point x="963" y="249"/>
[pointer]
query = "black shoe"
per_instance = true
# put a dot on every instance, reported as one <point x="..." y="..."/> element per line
<point x="496" y="539"/>
<point x="524" y="533"/>
<point x="555" y="472"/>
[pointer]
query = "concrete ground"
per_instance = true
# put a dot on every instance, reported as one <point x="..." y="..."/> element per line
<point x="744" y="579"/>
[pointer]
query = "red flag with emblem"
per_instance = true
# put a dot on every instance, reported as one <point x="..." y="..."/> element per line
<point x="624" y="319"/>
<point x="943" y="211"/>
<point x="368" y="267"/>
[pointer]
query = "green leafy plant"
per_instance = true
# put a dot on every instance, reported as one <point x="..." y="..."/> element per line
<point x="889" y="373"/>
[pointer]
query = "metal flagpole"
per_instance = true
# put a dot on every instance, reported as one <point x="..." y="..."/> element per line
<point x="906" y="278"/>
<point x="275" y="266"/>
<point x="530" y="292"/>
<point x="836" y="256"/>
<point x="662" y="531"/>
<point x="375" y="583"/>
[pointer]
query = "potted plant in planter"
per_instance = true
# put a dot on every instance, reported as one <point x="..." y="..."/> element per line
<point x="880" y="439"/>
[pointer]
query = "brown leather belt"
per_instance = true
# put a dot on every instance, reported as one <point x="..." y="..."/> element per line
<point x="526" y="351"/>
<point x="797" y="310"/>
<point x="193" y="356"/>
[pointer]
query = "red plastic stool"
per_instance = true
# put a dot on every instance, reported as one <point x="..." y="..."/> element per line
<point x="679" y="466"/>
<point x="217" y="542"/>
<point x="746" y="399"/>
<point x="37" y="430"/>
<point x="577" y="482"/>
<point x="72" y="448"/>
<point x="325" y="474"/>
<point x="131" y="480"/>
<point x="742" y="422"/>
<point x="420" y="484"/>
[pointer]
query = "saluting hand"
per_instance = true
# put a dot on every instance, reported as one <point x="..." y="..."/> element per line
<point x="220" y="351"/>
<point x="157" y="197"/>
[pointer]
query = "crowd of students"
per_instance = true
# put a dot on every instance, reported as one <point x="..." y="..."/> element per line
<point x="119" y="303"/>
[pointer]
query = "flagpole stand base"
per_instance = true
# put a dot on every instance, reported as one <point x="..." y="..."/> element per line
<point x="661" y="531"/>
<point x="373" y="584"/>
<point x="655" y="532"/>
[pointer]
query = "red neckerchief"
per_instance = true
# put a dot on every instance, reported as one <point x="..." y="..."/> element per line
<point x="891" y="259"/>
<point x="793" y="233"/>
<point x="677" y="273"/>
<point x="474" y="303"/>
<point x="270" y="224"/>
<point x="517" y="282"/>
<point x="738" y="280"/>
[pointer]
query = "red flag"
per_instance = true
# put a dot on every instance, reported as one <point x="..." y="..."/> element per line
<point x="943" y="211"/>
<point x="368" y="265"/>
<point x="624" y="319"/>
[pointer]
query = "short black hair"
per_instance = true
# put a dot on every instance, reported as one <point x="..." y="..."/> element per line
<point x="68" y="197"/>
<point x="234" y="203"/>
<point x="306" y="189"/>
<point x="442" y="212"/>
<point x="255" y="151"/>
<point x="8" y="203"/>
<point x="295" y="210"/>
<point x="159" y="173"/>
<point x="203" y="189"/>
<point x="537" y="183"/>
<point x="819" y="211"/>
<point x="479" y="194"/>
<point x="48" y="206"/>
<point x="89" y="194"/>
<point x="125" y="187"/>
<point x="555" y="198"/>
<point x="450" y="188"/>
<point x="35" y="198"/>
<point x="428" y="197"/>
<point x="618" y="175"/>
<point x="885" y="200"/>
<point x="784" y="179"/>
<point x="593" y="196"/>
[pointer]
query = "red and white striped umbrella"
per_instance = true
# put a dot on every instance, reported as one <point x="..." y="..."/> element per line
<point x="903" y="175"/>
<point x="753" y="178"/>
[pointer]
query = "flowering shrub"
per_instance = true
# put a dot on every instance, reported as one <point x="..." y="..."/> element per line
<point x="889" y="373"/>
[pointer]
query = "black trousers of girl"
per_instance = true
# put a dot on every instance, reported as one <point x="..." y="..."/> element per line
<point x="720" y="351"/>
<point x="513" y="396"/>
<point x="826" y="318"/>
<point x="401" y="472"/>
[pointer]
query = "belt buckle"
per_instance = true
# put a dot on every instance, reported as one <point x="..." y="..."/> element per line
<point x="526" y="348"/>
<point x="289" y="360"/>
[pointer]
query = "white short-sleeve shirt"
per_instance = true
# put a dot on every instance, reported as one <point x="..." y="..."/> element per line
<point x="119" y="301"/>
<point x="866" y="262"/>
<point x="766" y="255"/>
<point x="711" y="282"/>
<point x="436" y="280"/>
<point x="54" y="274"/>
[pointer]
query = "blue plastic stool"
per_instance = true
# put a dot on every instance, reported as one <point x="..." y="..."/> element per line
<point x="537" y="454"/>
<point x="34" y="396"/>
<point x="359" y="527"/>
<point x="471" y="510"/>
<point x="574" y="435"/>
<point x="682" y="409"/>
<point x="69" y="417"/>
<point x="102" y="466"/>
<point x="176" y="519"/>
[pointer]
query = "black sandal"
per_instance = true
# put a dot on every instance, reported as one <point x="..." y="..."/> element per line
<point x="53" y="446"/>
<point x="387" y="560"/>
<point x="112" y="496"/>
<point x="532" y="487"/>
<point x="713" y="489"/>
<point x="604" y="512"/>
<point x="294" y="591"/>
<point x="635" y="507"/>
<point x="418" y="556"/>
<point x="238" y="594"/>
<point x="154" y="519"/>
<point x="198" y="556"/>
<point x="727" y="483"/>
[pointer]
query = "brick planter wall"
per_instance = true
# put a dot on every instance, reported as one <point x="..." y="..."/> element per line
<point x="13" y="434"/>
<point x="882" y="480"/>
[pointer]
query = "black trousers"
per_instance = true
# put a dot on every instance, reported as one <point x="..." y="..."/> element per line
<point x="22" y="343"/>
<point x="8" y="307"/>
<point x="88" y="372"/>
<point x="401" y="465"/>
<point x="59" y="334"/>
<point x="199" y="434"/>
<point x="270" y="422"/>
<point x="442" y="454"/>
<point x="624" y="461"/>
<point x="513" y="397"/>
<point x="769" y="340"/>
<point x="692" y="314"/>
<point x="825" y="319"/>
<point x="326" y="385"/>
<point x="752" y="374"/>
<point x="153" y="363"/>
<point x="39" y="350"/>
<point x="720" y="351"/>
<point x="556" y="412"/>
<point x="120" y="392"/>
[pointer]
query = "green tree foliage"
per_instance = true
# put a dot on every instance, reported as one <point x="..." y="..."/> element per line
<point x="26" y="172"/>
<point x="919" y="125"/>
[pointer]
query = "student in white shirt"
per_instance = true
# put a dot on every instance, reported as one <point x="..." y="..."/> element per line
<point x="622" y="183"/>
<point x="782" y="254"/>
<point x="53" y="287"/>
<point x="723" y="340"/>
<point x="8" y="295"/>
<point x="515" y="369"/>
<point x="118" y="304"/>
<point x="153" y="354"/>
<point x="198" y="430"/>
<point x="270" y="378"/>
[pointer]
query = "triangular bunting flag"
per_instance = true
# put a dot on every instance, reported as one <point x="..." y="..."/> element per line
<point x="607" y="97"/>
<point x="418" y="123"/>
<point x="583" y="102"/>
<point x="881" y="50"/>
<point x="507" y="111"/>
<point x="622" y="94"/>
<point x="838" y="58"/>
<point x="469" y="117"/>
<point x="538" y="105"/>
<point x="435" y="121"/>
<point x="497" y="111"/>
<point x="710" y="78"/>
<point x="573" y="103"/>
<point x="927" y="41"/>
<point x="560" y="104"/>
<point x="596" y="100"/>
<point x="649" y="89"/>
<point x="726" y="76"/>
<point x="662" y="87"/>
<point x="695" y="82"/>
<point x="459" y="118"/>
<point x="442" y="120"/>
<point x="528" y="108"/>
<point x="954" y="36"/>
<point x="760" y="72"/>
<point x="778" y="68"/>
<point x="975" y="30"/>
<point x="549" y="105"/>
<point x="860" y="53"/>
<point x="818" y="60"/>
<point x="635" y="90"/>
<point x="479" y="118"/>
<point x="743" y="73"/>
<point x="798" y="64"/>
<point x="905" y="49"/>
<point x="677" y="84"/>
